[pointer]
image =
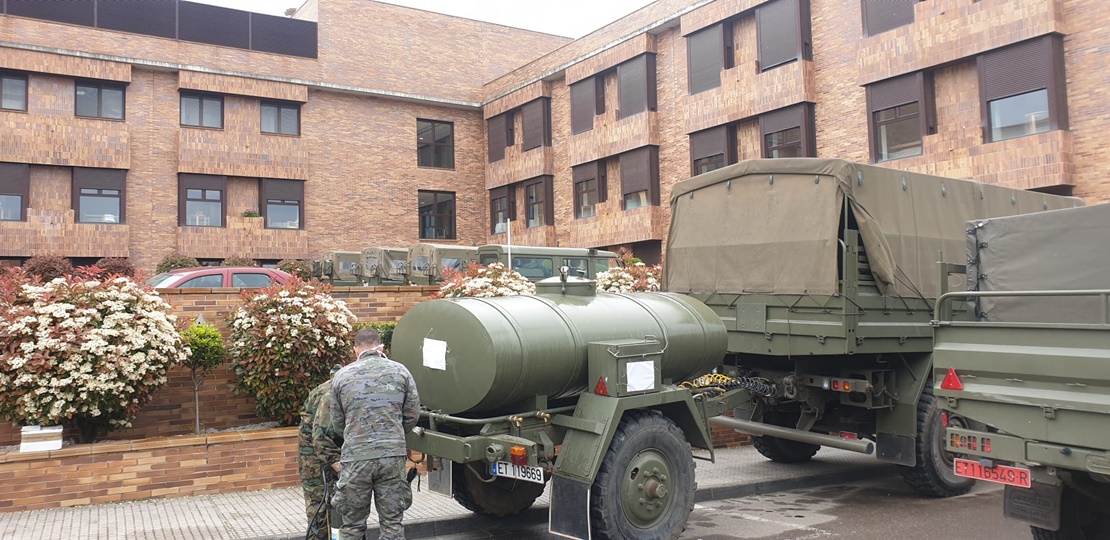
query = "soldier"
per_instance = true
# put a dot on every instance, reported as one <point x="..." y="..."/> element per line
<point x="373" y="404"/>
<point x="313" y="456"/>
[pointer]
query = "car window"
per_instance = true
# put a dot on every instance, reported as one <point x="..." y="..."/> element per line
<point x="213" y="280"/>
<point x="578" y="267"/>
<point x="534" y="267"/>
<point x="252" y="279"/>
<point x="488" y="259"/>
<point x="161" y="280"/>
<point x="603" y="265"/>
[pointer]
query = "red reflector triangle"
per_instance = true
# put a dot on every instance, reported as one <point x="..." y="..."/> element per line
<point x="952" y="381"/>
<point x="601" y="389"/>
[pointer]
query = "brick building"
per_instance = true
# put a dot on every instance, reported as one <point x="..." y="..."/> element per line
<point x="142" y="129"/>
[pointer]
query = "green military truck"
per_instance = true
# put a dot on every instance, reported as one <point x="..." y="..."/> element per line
<point x="1027" y="383"/>
<point x="810" y="281"/>
<point x="539" y="262"/>
<point x="426" y="262"/>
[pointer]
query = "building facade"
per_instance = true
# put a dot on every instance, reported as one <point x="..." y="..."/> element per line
<point x="120" y="141"/>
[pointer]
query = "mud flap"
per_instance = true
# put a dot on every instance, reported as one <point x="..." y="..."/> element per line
<point x="439" y="476"/>
<point x="570" y="509"/>
<point x="896" y="449"/>
<point x="1038" y="505"/>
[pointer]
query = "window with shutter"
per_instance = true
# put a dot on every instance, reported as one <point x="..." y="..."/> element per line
<point x="495" y="138"/>
<point x="783" y="29"/>
<point x="99" y="195"/>
<point x="282" y="203"/>
<point x="640" y="177"/>
<point x="901" y="111"/>
<point x="1022" y="89"/>
<point x="882" y="15"/>
<point x="582" y="105"/>
<point x="15" y="191"/>
<point x="789" y="132"/>
<point x="537" y="123"/>
<point x="712" y="149"/>
<point x="539" y="202"/>
<point x="589" y="188"/>
<point x="201" y="200"/>
<point x="636" y="81"/>
<point x="705" y="52"/>
<point x="502" y="208"/>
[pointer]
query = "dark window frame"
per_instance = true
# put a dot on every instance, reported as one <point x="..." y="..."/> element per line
<point x="100" y="86"/>
<point x="722" y="41"/>
<point x="281" y="192"/>
<point x="728" y="152"/>
<point x="802" y="27"/>
<point x="529" y="140"/>
<point x="649" y="185"/>
<point x="201" y="97"/>
<point x="436" y="216"/>
<point x="867" y="16"/>
<point x="496" y="133"/>
<point x="595" y="172"/>
<point x="1055" y="82"/>
<point x="26" y="80"/>
<point x="186" y="182"/>
<point x="896" y="92"/>
<point x="650" y="94"/>
<point x="507" y="194"/>
<point x="100" y="180"/>
<point x="786" y="118"/>
<point x="280" y="106"/>
<point x="434" y="145"/>
<point x="545" y="184"/>
<point x="15" y="180"/>
<point x="583" y="105"/>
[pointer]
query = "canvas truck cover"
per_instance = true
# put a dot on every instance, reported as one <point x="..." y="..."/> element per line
<point x="1049" y="251"/>
<point x="771" y="226"/>
<point x="385" y="263"/>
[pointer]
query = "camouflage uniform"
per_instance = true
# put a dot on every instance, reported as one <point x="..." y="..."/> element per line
<point x="373" y="404"/>
<point x="312" y="458"/>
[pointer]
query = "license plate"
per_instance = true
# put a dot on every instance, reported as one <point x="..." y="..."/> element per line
<point x="1011" y="476"/>
<point x="527" y="473"/>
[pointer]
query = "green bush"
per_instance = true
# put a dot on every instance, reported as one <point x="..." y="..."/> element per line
<point x="116" y="266"/>
<point x="238" y="261"/>
<point x="175" y="261"/>
<point x="385" y="329"/>
<point x="48" y="267"/>
<point x="206" y="347"/>
<point x="296" y="267"/>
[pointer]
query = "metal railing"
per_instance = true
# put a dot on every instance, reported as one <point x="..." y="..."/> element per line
<point x="942" y="313"/>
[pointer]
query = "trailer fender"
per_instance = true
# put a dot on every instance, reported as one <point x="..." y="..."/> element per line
<point x="896" y="427"/>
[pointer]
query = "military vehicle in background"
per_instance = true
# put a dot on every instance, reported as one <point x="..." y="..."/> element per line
<point x="426" y="262"/>
<point x="1027" y="383"/>
<point x="340" y="268"/>
<point x="384" y="266"/>
<point x="538" y="262"/>
<point x="811" y="280"/>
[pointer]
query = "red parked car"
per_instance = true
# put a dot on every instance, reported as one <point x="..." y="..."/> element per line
<point x="218" y="276"/>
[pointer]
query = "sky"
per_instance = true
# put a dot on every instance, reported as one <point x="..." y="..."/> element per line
<point x="570" y="18"/>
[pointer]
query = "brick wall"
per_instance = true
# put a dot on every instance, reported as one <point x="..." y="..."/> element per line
<point x="164" y="467"/>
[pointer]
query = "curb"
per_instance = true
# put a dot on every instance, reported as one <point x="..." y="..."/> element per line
<point x="538" y="516"/>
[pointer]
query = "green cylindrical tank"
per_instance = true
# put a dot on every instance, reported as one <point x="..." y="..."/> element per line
<point x="502" y="352"/>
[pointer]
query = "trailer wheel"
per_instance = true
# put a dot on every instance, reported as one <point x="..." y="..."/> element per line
<point x="502" y="497"/>
<point x="1080" y="519"/>
<point x="645" y="487"/>
<point x="782" y="450"/>
<point x="933" y="475"/>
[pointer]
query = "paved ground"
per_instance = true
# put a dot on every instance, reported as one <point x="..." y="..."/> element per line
<point x="279" y="514"/>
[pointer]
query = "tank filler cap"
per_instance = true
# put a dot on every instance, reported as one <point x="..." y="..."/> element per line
<point x="573" y="286"/>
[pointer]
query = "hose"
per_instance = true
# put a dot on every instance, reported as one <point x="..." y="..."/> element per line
<point x="323" y="501"/>
<point x="718" y="381"/>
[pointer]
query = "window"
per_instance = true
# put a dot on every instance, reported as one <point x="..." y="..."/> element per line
<point x="502" y="208"/>
<point x="202" y="111"/>
<point x="435" y="144"/>
<point x="539" y="202"/>
<point x="497" y="136"/>
<point x="536" y="117"/>
<point x="583" y="105"/>
<point x="13" y="91"/>
<point x="437" y="214"/>
<point x="882" y="15"/>
<point x="281" y="118"/>
<point x="636" y="82"/>
<point x="1022" y="89"/>
<point x="640" y="177"/>
<point x="97" y="99"/>
<point x="98" y="195"/>
<point x="902" y="113"/>
<point x="784" y="30"/>
<point x="789" y="132"/>
<point x="15" y="190"/>
<point x="534" y="267"/>
<point x="250" y="279"/>
<point x="201" y="200"/>
<point x="705" y="50"/>
<point x="590" y="188"/>
<point x="204" y="282"/>
<point x="712" y="148"/>
<point x="283" y="203"/>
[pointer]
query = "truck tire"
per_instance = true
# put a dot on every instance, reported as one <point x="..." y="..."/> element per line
<point x="1080" y="519"/>
<point x="501" y="498"/>
<point x="933" y="475"/>
<point x="645" y="487"/>
<point x="783" y="450"/>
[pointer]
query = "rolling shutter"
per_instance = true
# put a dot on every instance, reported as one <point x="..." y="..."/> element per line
<point x="582" y="105"/>
<point x="594" y="170"/>
<point x="286" y="190"/>
<point x="636" y="82"/>
<point x="15" y="179"/>
<point x="705" y="51"/>
<point x="496" y="137"/>
<point x="710" y="142"/>
<point x="101" y="179"/>
<point x="882" y="15"/>
<point x="1017" y="69"/>
<point x="894" y="92"/>
<point x="640" y="172"/>
<point x="199" y="181"/>
<point x="779" y="27"/>
<point x="797" y="116"/>
<point x="537" y="123"/>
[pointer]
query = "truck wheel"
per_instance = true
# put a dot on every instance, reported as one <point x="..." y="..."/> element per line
<point x="500" y="498"/>
<point x="645" y="487"/>
<point x="933" y="476"/>
<point x="783" y="450"/>
<point x="1080" y="519"/>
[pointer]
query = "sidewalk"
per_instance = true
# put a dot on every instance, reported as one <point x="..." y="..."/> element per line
<point x="278" y="514"/>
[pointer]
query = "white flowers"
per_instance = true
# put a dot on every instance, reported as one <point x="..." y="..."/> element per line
<point x="632" y="278"/>
<point x="486" y="282"/>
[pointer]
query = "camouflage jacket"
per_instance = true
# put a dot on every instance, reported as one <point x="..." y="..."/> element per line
<point x="373" y="404"/>
<point x="310" y="418"/>
<point x="325" y="440"/>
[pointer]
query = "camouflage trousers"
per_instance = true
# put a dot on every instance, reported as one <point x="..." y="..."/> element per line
<point x="313" y="485"/>
<point x="382" y="479"/>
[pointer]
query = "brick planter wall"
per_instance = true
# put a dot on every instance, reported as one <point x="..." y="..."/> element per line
<point x="163" y="467"/>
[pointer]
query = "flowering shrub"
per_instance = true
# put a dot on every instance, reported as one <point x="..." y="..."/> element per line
<point x="633" y="278"/>
<point x="484" y="282"/>
<point x="174" y="261"/>
<point x="206" y="351"/>
<point x="296" y="267"/>
<point x="81" y="351"/>
<point x="284" y="341"/>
